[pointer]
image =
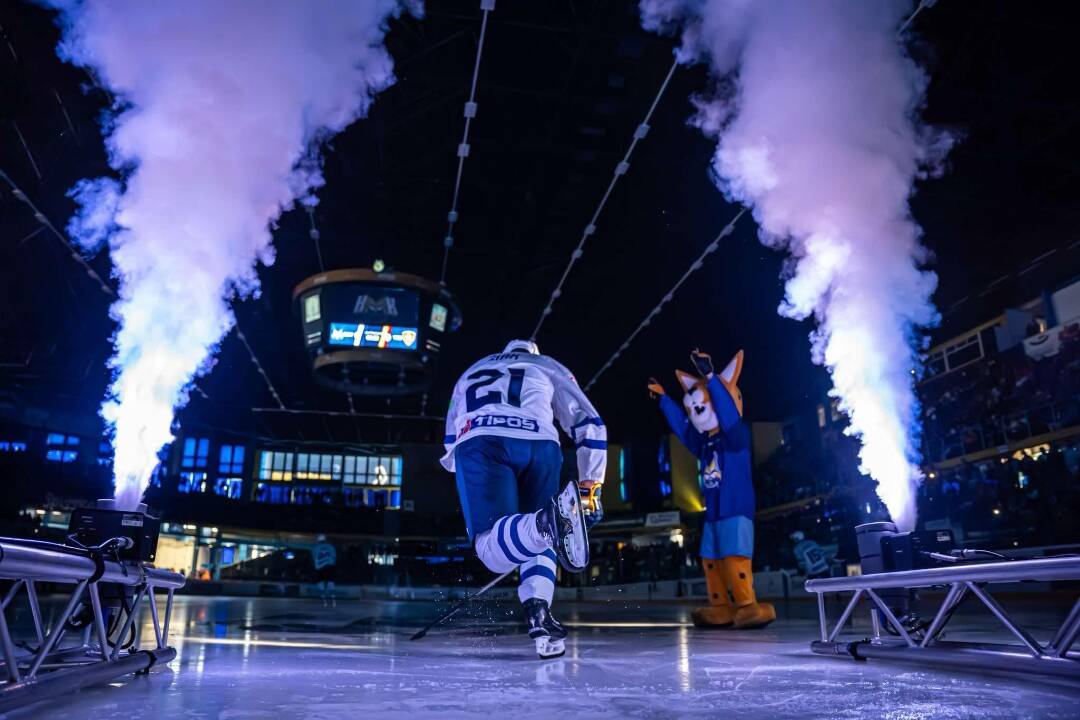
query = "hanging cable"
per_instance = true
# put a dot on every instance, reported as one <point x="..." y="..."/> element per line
<point x="922" y="4"/>
<point x="259" y="367"/>
<point x="624" y="165"/>
<point x="313" y="233"/>
<point x="44" y="221"/>
<point x="697" y="264"/>
<point x="710" y="248"/>
<point x="463" y="148"/>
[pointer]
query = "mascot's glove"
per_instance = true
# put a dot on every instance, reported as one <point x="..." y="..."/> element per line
<point x="590" y="501"/>
<point x="703" y="363"/>
<point x="656" y="390"/>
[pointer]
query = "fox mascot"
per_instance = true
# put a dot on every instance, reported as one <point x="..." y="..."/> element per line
<point x="712" y="428"/>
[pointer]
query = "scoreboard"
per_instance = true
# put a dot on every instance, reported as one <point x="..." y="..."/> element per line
<point x="374" y="333"/>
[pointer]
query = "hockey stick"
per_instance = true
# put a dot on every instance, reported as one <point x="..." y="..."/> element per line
<point x="463" y="602"/>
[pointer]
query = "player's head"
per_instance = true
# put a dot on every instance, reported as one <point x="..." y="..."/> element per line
<point x="797" y="536"/>
<point x="522" y="346"/>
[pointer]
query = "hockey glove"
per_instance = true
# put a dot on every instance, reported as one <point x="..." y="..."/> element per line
<point x="590" y="502"/>
<point x="703" y="363"/>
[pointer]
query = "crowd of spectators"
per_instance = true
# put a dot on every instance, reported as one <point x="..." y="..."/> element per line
<point x="1028" y="499"/>
<point x="1002" y="398"/>
<point x="613" y="563"/>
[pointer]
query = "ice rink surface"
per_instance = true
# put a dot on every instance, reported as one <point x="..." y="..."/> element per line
<point x="248" y="658"/>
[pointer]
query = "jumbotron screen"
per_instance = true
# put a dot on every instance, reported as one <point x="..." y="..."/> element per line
<point x="392" y="337"/>
<point x="374" y="333"/>
<point x="370" y="316"/>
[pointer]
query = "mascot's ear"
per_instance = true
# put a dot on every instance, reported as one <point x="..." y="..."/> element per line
<point x="731" y="373"/>
<point x="686" y="380"/>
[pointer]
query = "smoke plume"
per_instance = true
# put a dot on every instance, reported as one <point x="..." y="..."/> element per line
<point x="221" y="108"/>
<point x="815" y="111"/>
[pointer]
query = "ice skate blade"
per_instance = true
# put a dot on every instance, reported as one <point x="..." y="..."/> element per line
<point x="549" y="649"/>
<point x="576" y="544"/>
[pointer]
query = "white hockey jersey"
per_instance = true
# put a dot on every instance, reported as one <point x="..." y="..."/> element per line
<point x="519" y="395"/>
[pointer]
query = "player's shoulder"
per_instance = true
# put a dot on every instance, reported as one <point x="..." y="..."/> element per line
<point x="547" y="364"/>
<point x="556" y="367"/>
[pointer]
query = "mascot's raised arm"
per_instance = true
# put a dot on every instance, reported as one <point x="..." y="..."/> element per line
<point x="710" y="425"/>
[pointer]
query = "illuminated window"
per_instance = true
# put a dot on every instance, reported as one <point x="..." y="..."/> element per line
<point x="363" y="472"/>
<point x="622" y="474"/>
<point x="275" y="494"/>
<point x="229" y="487"/>
<point x="373" y="470"/>
<point x="314" y="466"/>
<point x="12" y="446"/>
<point x="196" y="453"/>
<point x="275" y="465"/>
<point x="161" y="469"/>
<point x="61" y="448"/>
<point x="663" y="461"/>
<point x="821" y="416"/>
<point x="231" y="460"/>
<point x="192" y="482"/>
<point x="104" y="454"/>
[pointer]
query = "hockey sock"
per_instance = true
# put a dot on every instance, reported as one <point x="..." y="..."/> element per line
<point x="514" y="540"/>
<point x="538" y="578"/>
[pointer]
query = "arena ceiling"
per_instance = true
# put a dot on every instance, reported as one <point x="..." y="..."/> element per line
<point x="561" y="88"/>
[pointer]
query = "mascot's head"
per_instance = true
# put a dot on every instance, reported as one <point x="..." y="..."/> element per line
<point x="697" y="402"/>
<point x="522" y="346"/>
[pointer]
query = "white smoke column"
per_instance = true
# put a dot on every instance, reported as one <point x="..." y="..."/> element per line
<point x="221" y="107"/>
<point x="815" y="114"/>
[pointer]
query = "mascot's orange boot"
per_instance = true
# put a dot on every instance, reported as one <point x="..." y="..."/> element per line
<point x="719" y="612"/>
<point x="749" y="613"/>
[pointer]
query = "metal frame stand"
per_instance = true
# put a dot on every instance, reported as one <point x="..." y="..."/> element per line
<point x="1056" y="657"/>
<point x="40" y="665"/>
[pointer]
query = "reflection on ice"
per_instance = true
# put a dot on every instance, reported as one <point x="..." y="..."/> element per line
<point x="276" y="658"/>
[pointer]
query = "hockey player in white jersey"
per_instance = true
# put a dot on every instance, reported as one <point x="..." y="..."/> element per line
<point x="502" y="444"/>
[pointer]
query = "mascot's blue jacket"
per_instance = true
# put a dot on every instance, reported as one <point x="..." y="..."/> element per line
<point x="723" y="457"/>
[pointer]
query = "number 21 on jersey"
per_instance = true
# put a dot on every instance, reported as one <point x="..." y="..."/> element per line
<point x="477" y="395"/>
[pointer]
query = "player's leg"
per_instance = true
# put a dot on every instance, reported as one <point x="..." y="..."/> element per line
<point x="538" y="480"/>
<point x="719" y="612"/>
<point x="737" y="547"/>
<point x="487" y="485"/>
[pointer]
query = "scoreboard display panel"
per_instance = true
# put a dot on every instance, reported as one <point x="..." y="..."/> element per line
<point x="390" y="337"/>
<point x="374" y="333"/>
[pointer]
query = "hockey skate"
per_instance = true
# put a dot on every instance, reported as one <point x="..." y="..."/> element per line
<point x="547" y="632"/>
<point x="563" y="523"/>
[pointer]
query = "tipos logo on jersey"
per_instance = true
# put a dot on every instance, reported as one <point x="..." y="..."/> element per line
<point x="712" y="474"/>
<point x="510" y="422"/>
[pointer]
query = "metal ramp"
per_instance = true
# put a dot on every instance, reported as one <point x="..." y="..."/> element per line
<point x="1055" y="657"/>
<point x="42" y="662"/>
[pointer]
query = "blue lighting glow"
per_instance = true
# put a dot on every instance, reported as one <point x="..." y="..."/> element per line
<point x="377" y="336"/>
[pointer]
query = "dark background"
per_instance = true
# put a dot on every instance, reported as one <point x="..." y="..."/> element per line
<point x="562" y="86"/>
